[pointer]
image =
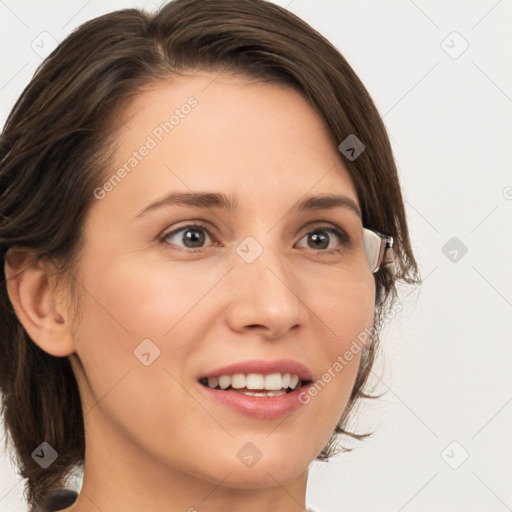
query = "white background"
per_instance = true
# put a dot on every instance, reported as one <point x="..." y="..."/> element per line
<point x="447" y="357"/>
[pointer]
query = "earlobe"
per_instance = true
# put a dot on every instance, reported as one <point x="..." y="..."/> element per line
<point x="33" y="295"/>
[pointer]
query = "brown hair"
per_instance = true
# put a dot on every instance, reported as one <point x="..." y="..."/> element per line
<point x="54" y="151"/>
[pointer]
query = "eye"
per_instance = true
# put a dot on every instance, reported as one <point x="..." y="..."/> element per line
<point x="326" y="239"/>
<point x="195" y="237"/>
<point x="191" y="236"/>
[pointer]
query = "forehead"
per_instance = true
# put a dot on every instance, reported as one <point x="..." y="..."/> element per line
<point x="225" y="133"/>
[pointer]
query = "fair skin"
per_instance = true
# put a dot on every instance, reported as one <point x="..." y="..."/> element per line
<point x="153" y="440"/>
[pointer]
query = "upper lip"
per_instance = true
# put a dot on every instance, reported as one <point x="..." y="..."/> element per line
<point x="264" y="367"/>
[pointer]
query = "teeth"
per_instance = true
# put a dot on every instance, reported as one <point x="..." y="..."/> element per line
<point x="256" y="381"/>
<point x="213" y="382"/>
<point x="265" y="393"/>
<point x="238" y="381"/>
<point x="273" y="381"/>
<point x="224" y="381"/>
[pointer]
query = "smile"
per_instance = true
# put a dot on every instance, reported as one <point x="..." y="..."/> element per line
<point x="255" y="384"/>
<point x="256" y="395"/>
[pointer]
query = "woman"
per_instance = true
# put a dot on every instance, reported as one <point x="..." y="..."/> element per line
<point x="202" y="228"/>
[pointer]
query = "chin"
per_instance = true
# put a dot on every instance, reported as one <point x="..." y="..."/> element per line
<point x="264" y="477"/>
<point x="274" y="468"/>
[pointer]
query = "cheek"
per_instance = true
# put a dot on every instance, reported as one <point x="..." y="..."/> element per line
<point x="150" y="298"/>
<point x="131" y="303"/>
<point x="347" y="312"/>
<point x="348" y="315"/>
<point x="124" y="305"/>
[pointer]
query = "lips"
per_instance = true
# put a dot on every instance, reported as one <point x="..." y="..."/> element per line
<point x="239" y="387"/>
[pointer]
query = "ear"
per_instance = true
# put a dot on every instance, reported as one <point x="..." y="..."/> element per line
<point x="34" y="296"/>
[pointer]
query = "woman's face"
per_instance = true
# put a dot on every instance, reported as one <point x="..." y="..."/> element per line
<point x="164" y="303"/>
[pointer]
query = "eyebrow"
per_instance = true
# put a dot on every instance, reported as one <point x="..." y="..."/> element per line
<point x="227" y="202"/>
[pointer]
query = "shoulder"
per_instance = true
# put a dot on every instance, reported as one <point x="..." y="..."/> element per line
<point x="58" y="499"/>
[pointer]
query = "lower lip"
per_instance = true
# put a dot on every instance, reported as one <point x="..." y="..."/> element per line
<point x="263" y="407"/>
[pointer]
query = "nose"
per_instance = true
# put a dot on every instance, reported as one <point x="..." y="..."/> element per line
<point x="266" y="297"/>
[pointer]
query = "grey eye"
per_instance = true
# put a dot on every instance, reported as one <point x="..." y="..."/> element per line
<point x="191" y="237"/>
<point x="323" y="238"/>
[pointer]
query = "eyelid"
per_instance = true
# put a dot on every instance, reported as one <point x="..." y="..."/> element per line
<point x="189" y="224"/>
<point x="322" y="224"/>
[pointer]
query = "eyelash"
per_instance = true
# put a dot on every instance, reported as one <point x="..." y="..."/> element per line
<point x="340" y="233"/>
